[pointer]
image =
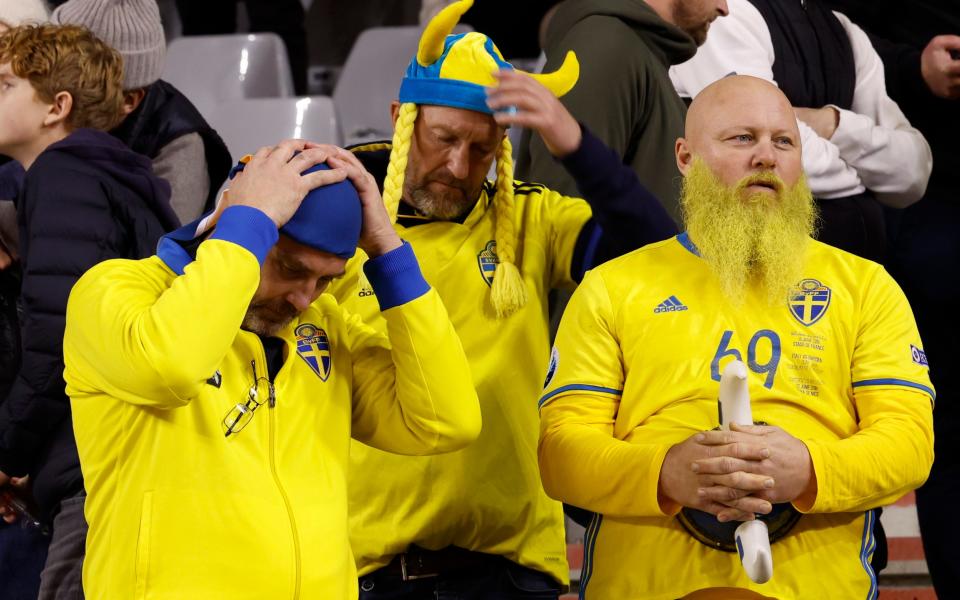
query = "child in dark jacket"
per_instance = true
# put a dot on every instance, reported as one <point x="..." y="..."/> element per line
<point x="86" y="198"/>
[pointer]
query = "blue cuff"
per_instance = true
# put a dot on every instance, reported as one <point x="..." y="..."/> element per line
<point x="248" y="227"/>
<point x="396" y="277"/>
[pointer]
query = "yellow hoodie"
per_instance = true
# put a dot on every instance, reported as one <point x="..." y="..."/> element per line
<point x="154" y="361"/>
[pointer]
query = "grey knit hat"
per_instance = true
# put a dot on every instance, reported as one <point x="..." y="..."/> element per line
<point x="131" y="27"/>
<point x="19" y="12"/>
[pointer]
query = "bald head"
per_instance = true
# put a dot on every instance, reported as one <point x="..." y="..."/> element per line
<point x="739" y="125"/>
<point x="736" y="97"/>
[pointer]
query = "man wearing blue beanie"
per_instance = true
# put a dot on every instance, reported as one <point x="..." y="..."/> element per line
<point x="215" y="390"/>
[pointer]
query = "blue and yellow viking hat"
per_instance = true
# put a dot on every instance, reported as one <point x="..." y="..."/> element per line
<point x="454" y="70"/>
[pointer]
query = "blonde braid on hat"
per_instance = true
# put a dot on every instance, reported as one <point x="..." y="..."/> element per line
<point x="507" y="292"/>
<point x="397" y="168"/>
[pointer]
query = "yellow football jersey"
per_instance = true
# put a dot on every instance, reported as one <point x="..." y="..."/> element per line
<point x="636" y="369"/>
<point x="487" y="497"/>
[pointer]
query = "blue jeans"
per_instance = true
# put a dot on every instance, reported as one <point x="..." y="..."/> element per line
<point x="23" y="551"/>
<point x="503" y="581"/>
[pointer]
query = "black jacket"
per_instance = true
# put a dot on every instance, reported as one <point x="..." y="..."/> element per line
<point x="86" y="199"/>
<point x="11" y="179"/>
<point x="165" y="115"/>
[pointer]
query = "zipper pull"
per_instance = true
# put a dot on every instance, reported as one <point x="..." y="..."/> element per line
<point x="272" y="400"/>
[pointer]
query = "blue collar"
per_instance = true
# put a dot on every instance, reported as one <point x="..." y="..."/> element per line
<point x="684" y="239"/>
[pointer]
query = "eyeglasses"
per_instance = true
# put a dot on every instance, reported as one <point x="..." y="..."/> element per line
<point x="241" y="414"/>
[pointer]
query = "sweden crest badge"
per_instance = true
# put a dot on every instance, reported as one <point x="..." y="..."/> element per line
<point x="808" y="301"/>
<point x="488" y="260"/>
<point x="313" y="346"/>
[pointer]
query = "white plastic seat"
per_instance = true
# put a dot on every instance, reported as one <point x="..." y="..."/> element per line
<point x="246" y="125"/>
<point x="370" y="80"/>
<point x="212" y="68"/>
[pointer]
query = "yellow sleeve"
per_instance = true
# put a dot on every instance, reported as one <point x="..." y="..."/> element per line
<point x="413" y="391"/>
<point x="134" y="337"/>
<point x="581" y="461"/>
<point x="137" y="332"/>
<point x="892" y="452"/>
<point x="564" y="218"/>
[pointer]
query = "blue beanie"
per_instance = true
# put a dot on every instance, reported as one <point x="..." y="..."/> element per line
<point x="329" y="218"/>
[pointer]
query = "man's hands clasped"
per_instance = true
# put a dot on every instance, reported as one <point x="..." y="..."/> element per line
<point x="737" y="474"/>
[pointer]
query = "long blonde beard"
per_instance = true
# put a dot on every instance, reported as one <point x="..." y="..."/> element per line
<point x="756" y="239"/>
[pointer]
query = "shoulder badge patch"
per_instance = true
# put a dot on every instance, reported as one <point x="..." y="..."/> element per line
<point x="552" y="367"/>
<point x="919" y="356"/>
<point x="488" y="260"/>
<point x="313" y="346"/>
<point x="808" y="301"/>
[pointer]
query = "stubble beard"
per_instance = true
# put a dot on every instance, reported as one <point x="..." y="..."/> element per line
<point x="441" y="207"/>
<point x="268" y="318"/>
<point x="690" y="23"/>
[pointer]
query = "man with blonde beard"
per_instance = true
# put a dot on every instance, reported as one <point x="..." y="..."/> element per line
<point x="838" y="381"/>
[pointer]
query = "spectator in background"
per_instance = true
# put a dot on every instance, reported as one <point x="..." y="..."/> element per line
<point x="624" y="95"/>
<point x="476" y="523"/>
<point x="282" y="17"/>
<point x="23" y="550"/>
<point x="12" y="14"/>
<point x="160" y="122"/>
<point x="919" y="43"/>
<point x="86" y="198"/>
<point x="858" y="148"/>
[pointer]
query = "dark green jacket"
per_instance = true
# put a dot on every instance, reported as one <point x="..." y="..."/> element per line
<point x="624" y="94"/>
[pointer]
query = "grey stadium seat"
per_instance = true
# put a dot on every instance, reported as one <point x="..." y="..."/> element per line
<point x="371" y="79"/>
<point x="212" y="68"/>
<point x="247" y="124"/>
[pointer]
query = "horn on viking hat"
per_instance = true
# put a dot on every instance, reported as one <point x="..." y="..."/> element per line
<point x="437" y="30"/>
<point x="563" y="79"/>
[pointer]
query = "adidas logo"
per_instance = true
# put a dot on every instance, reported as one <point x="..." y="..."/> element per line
<point x="671" y="304"/>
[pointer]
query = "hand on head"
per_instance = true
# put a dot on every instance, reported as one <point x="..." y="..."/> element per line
<point x="377" y="235"/>
<point x="522" y="101"/>
<point x="272" y="180"/>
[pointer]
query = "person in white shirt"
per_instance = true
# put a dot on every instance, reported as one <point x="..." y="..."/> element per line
<point x="858" y="147"/>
